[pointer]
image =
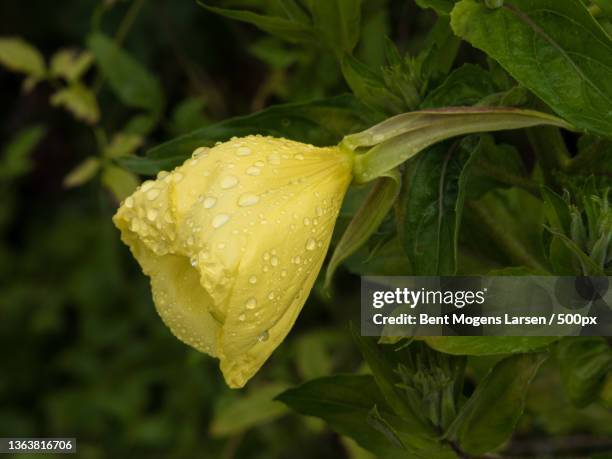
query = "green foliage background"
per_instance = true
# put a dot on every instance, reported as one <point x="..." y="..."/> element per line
<point x="82" y="350"/>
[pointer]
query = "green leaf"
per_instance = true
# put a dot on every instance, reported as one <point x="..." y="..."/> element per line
<point x="556" y="210"/>
<point x="119" y="181"/>
<point x="488" y="345"/>
<point x="321" y="122"/>
<point x="241" y="413"/>
<point x="369" y="86"/>
<point x="79" y="100"/>
<point x="584" y="363"/>
<point x="383" y="364"/>
<point x="554" y="48"/>
<point x="505" y="225"/>
<point x="464" y="86"/>
<point x="337" y="23"/>
<point x="386" y="259"/>
<point x="131" y="81"/>
<point x="149" y="166"/>
<point x="15" y="160"/>
<point x="313" y="353"/>
<point x="443" y="7"/>
<point x="122" y="144"/>
<point x="82" y="173"/>
<point x="490" y="415"/>
<point x="496" y="166"/>
<point x="286" y="29"/>
<point x="18" y="55"/>
<point x="345" y="403"/>
<point x="366" y="221"/>
<point x="440" y="50"/>
<point x="380" y="424"/>
<point x="431" y="206"/>
<point x="70" y="64"/>
<point x="605" y="5"/>
<point x="399" y="138"/>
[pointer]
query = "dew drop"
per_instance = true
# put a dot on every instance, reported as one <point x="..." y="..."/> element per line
<point x="263" y="337"/>
<point x="151" y="215"/>
<point x="200" y="152"/>
<point x="260" y="163"/>
<point x="178" y="177"/>
<point x="146" y="186"/>
<point x="152" y="194"/>
<point x="271" y="296"/>
<point x="247" y="200"/>
<point x="306" y="221"/>
<point x="251" y="303"/>
<point x="311" y="244"/>
<point x="253" y="279"/>
<point x="243" y="151"/>
<point x="220" y="220"/>
<point x="274" y="261"/>
<point x="229" y="181"/>
<point x="209" y="202"/>
<point x="129" y="202"/>
<point x="194" y="261"/>
<point x="299" y="157"/>
<point x="284" y="273"/>
<point x="319" y="211"/>
<point x="241" y="317"/>
<point x="274" y="159"/>
<point x="253" y="170"/>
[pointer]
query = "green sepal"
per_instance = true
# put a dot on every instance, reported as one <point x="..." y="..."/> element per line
<point x="367" y="220"/>
<point x="399" y="138"/>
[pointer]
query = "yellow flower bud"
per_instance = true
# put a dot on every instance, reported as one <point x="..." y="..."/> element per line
<point x="233" y="241"/>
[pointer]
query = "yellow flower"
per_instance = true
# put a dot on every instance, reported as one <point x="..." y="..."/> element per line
<point x="233" y="241"/>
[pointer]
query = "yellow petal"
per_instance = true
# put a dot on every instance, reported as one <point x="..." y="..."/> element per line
<point x="249" y="224"/>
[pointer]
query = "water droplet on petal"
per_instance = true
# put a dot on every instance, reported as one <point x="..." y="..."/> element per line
<point x="263" y="337"/>
<point x="129" y="202"/>
<point x="247" y="200"/>
<point x="274" y="261"/>
<point x="220" y="220"/>
<point x="274" y="159"/>
<point x="229" y="181"/>
<point x="253" y="279"/>
<point x="243" y="151"/>
<point x="152" y="194"/>
<point x="271" y="296"/>
<point x="194" y="261"/>
<point x="209" y="202"/>
<point x="151" y="215"/>
<point x="241" y="317"/>
<point x="251" y="303"/>
<point x="146" y="186"/>
<point x="299" y="157"/>
<point x="178" y="177"/>
<point x="253" y="170"/>
<point x="306" y="221"/>
<point x="311" y="244"/>
<point x="200" y="152"/>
